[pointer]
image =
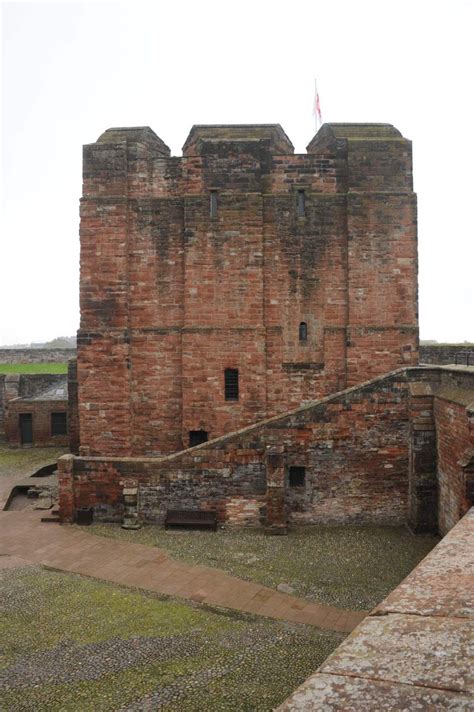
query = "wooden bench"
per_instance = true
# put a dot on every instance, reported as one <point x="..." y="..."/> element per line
<point x="191" y="518"/>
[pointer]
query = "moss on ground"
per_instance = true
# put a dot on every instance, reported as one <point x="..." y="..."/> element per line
<point x="347" y="566"/>
<point x="33" y="368"/>
<point x="54" y="624"/>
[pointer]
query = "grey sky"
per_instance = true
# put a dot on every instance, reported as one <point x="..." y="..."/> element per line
<point x="71" y="70"/>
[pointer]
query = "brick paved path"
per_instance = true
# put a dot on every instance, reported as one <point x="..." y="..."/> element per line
<point x="75" y="550"/>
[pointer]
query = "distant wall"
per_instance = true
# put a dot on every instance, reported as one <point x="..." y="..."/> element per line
<point x="2" y="405"/>
<point x="36" y="355"/>
<point x="442" y="354"/>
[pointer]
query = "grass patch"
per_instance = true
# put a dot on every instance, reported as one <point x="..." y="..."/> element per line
<point x="27" y="460"/>
<point x="345" y="566"/>
<point x="55" y="623"/>
<point x="6" y="368"/>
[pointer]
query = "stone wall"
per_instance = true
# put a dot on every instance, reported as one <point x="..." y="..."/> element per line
<point x="454" y="415"/>
<point x="369" y="455"/>
<point x="172" y="295"/>
<point x="353" y="446"/>
<point x="442" y="353"/>
<point x="36" y="355"/>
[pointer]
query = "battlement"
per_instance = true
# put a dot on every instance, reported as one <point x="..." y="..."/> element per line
<point x="270" y="135"/>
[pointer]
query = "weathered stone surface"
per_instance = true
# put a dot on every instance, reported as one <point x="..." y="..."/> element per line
<point x="443" y="584"/>
<point x="412" y="650"/>
<point x="337" y="693"/>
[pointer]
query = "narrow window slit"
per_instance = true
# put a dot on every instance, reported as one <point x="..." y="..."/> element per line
<point x="231" y="384"/>
<point x="301" y="203"/>
<point x="213" y="204"/>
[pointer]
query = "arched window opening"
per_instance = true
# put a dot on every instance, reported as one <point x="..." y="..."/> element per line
<point x="303" y="331"/>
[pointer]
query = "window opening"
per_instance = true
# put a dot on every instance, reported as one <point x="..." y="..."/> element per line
<point x="301" y="203"/>
<point x="196" y="437"/>
<point x="58" y="423"/>
<point x="297" y="476"/>
<point x="231" y="384"/>
<point x="303" y="331"/>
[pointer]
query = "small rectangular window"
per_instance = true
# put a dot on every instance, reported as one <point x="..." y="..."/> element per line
<point x="297" y="476"/>
<point x="213" y="204"/>
<point x="58" y="423"/>
<point x="196" y="437"/>
<point x="301" y="203"/>
<point x="231" y="384"/>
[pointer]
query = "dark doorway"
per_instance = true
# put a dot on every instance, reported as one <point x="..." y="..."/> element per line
<point x="26" y="428"/>
<point x="196" y="437"/>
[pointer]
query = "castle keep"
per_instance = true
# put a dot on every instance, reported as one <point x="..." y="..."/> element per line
<point x="239" y="281"/>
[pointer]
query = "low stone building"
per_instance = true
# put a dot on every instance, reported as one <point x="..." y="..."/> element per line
<point x="39" y="419"/>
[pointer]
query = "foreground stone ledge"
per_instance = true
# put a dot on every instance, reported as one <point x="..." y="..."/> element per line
<point x="415" y="650"/>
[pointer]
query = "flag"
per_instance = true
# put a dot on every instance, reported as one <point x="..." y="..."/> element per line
<point x="318" y="119"/>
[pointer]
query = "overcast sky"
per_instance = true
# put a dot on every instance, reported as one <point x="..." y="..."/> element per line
<point x="71" y="70"/>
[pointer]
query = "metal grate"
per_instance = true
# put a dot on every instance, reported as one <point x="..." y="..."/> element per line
<point x="231" y="384"/>
<point x="297" y="476"/>
<point x="464" y="358"/>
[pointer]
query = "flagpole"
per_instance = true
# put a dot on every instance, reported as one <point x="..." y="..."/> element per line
<point x="315" y="110"/>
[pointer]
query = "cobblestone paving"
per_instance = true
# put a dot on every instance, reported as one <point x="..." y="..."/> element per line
<point x="69" y="662"/>
<point x="72" y="643"/>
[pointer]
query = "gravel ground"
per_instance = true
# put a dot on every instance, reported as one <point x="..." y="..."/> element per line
<point x="349" y="567"/>
<point x="72" y="643"/>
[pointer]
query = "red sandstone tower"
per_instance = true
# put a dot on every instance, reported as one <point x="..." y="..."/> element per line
<point x="240" y="280"/>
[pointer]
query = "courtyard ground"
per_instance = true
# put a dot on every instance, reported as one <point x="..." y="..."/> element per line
<point x="18" y="463"/>
<point x="72" y="643"/>
<point x="75" y="643"/>
<point x="348" y="567"/>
